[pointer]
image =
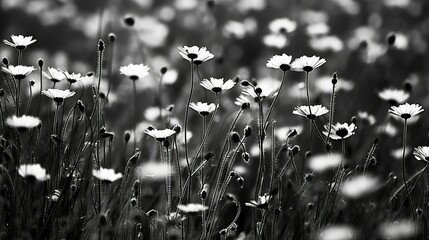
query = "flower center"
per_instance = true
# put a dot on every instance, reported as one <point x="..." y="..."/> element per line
<point x="405" y="115"/>
<point x="311" y="116"/>
<point x="307" y="68"/>
<point x="285" y="67"/>
<point x="160" y="139"/>
<point x="134" y="77"/>
<point x="19" y="76"/>
<point x="58" y="100"/>
<point x="217" y="89"/>
<point x="392" y="102"/>
<point x="20" y="47"/>
<point x="204" y="113"/>
<point x="192" y="55"/>
<point x="197" y="62"/>
<point x="342" y="132"/>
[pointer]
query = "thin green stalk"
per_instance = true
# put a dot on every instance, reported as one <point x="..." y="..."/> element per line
<point x="275" y="99"/>
<point x="404" y="178"/>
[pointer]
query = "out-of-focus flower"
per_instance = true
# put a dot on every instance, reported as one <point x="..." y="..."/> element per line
<point x="274" y="40"/>
<point x="54" y="75"/>
<point x="388" y="129"/>
<point x="106" y="175"/>
<point x="282" y="132"/>
<point x="394" y="96"/>
<point x="359" y="186"/>
<point x="33" y="172"/>
<point x="23" y="123"/>
<point x="349" y="6"/>
<point x="261" y="203"/>
<point x="282" y="62"/>
<point x="203" y="109"/>
<point x="406" y="111"/>
<point x="135" y="71"/>
<point x="337" y="232"/>
<point x="160" y="135"/>
<point x="366" y="118"/>
<point x="282" y="25"/>
<point x="397" y="153"/>
<point x="172" y="220"/>
<point x="195" y="54"/>
<point x="242" y="101"/>
<point x="192" y="208"/>
<point x="322" y="162"/>
<point x="234" y="29"/>
<point x="248" y="5"/>
<point x="316" y="111"/>
<point x="217" y="85"/>
<point x="327" y="43"/>
<point x="18" y="72"/>
<point x="307" y="64"/>
<point x="340" y="131"/>
<point x="401" y="41"/>
<point x="400" y="229"/>
<point x="397" y="3"/>
<point x="153" y="113"/>
<point x="170" y="76"/>
<point x="422" y="153"/>
<point x="317" y="29"/>
<point x="324" y="85"/>
<point x="20" y="42"/>
<point x="154" y="171"/>
<point x="58" y="95"/>
<point x="151" y="32"/>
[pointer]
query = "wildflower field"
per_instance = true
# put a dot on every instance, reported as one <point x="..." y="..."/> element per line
<point x="214" y="119"/>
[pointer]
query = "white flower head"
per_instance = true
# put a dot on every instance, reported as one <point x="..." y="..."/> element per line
<point x="282" y="62"/>
<point x="203" y="109"/>
<point x="311" y="112"/>
<point x="154" y="171"/>
<point x="135" y="71"/>
<point x="23" y="123"/>
<point x="406" y="110"/>
<point x="365" y="117"/>
<point x="33" y="172"/>
<point x="106" y="175"/>
<point x="400" y="229"/>
<point x="394" y="96"/>
<point x="18" y="72"/>
<point x="72" y="77"/>
<point x="261" y="203"/>
<point x="242" y="101"/>
<point x="160" y="135"/>
<point x="422" y="153"/>
<point x="282" y="25"/>
<point x="322" y="162"/>
<point x="275" y="40"/>
<point x="360" y="186"/>
<point x="192" y="208"/>
<point x="20" y="42"/>
<point x="307" y="64"/>
<point x="217" y="85"/>
<point x="58" y="95"/>
<point x="340" y="131"/>
<point x="55" y="75"/>
<point x="195" y="54"/>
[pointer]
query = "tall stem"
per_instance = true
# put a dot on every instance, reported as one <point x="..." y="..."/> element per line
<point x="135" y="113"/>
<point x="275" y="99"/>
<point x="307" y="88"/>
<point x="404" y="142"/>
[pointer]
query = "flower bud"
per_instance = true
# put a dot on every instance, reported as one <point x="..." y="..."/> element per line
<point x="100" y="45"/>
<point x="235" y="137"/>
<point x="112" y="37"/>
<point x="40" y="62"/>
<point x="163" y="70"/>
<point x="129" y="21"/>
<point x="247" y="131"/>
<point x="127" y="136"/>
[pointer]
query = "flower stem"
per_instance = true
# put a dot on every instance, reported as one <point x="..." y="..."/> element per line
<point x="275" y="99"/>
<point x="404" y="178"/>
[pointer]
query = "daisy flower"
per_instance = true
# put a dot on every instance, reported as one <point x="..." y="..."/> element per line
<point x="58" y="95"/>
<point x="340" y="131"/>
<point x="192" y="208"/>
<point x="33" y="172"/>
<point x="281" y="62"/>
<point x="282" y="25"/>
<point x="337" y="232"/>
<point x="307" y="64"/>
<point x="217" y="85"/>
<point x="242" y="101"/>
<point x="262" y="202"/>
<point x="160" y="135"/>
<point x="195" y="54"/>
<point x="275" y="40"/>
<point x="173" y="219"/>
<point x="312" y="112"/>
<point x="23" y="123"/>
<point x="322" y="162"/>
<point x="106" y="175"/>
<point x="154" y="171"/>
<point x="203" y="109"/>
<point x="20" y="42"/>
<point x="359" y="186"/>
<point x="394" y="96"/>
<point x="265" y="89"/>
<point x="135" y="71"/>
<point x="18" y="72"/>
<point x="422" y="153"/>
<point x="399" y="229"/>
<point x="54" y="75"/>
<point x="406" y="111"/>
<point x="72" y="77"/>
